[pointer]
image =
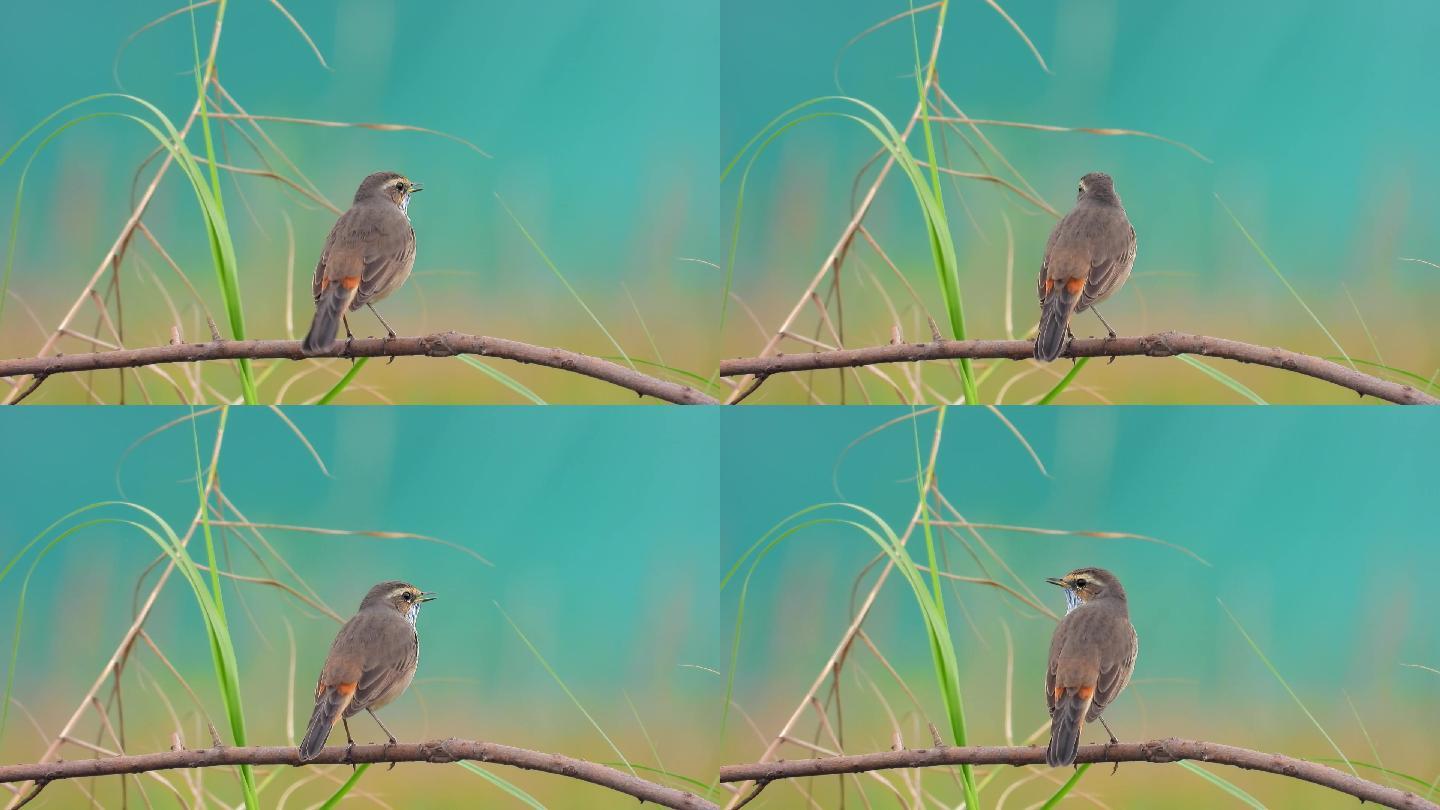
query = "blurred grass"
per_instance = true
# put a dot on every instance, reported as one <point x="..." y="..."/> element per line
<point x="241" y="649"/>
<point x="791" y="608"/>
<point x="795" y="212"/>
<point x="498" y="302"/>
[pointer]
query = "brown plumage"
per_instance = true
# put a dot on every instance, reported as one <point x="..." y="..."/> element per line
<point x="368" y="254"/>
<point x="1092" y="656"/>
<point x="1088" y="257"/>
<point x="371" y="662"/>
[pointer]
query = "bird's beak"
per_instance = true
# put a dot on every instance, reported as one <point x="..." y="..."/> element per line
<point x="427" y="597"/>
<point x="414" y="187"/>
<point x="1054" y="581"/>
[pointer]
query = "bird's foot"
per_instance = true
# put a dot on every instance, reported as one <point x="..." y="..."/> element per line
<point x="350" y="754"/>
<point x="1113" y="741"/>
<point x="393" y="741"/>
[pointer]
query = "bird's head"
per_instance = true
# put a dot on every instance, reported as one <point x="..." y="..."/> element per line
<point x="1084" y="584"/>
<point x="1097" y="186"/>
<point x="402" y="597"/>
<point x="391" y="186"/>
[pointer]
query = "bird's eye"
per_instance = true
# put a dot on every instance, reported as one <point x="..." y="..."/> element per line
<point x="409" y="596"/>
<point x="1080" y="190"/>
<point x="1079" y="583"/>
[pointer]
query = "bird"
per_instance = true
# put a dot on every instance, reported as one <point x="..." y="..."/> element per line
<point x="1088" y="257"/>
<point x="367" y="256"/>
<point x="371" y="662"/>
<point x="1092" y="656"/>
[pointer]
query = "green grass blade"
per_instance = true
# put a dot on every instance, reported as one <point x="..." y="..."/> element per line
<point x="1223" y="378"/>
<point x="1286" y="685"/>
<point x="501" y="377"/>
<point x="553" y="674"/>
<point x="563" y="280"/>
<point x="1064" y="382"/>
<point x="345" y="788"/>
<point x="1222" y="783"/>
<point x="342" y="383"/>
<point x="1414" y="780"/>
<point x="1065" y="788"/>
<point x="689" y="377"/>
<point x="1285" y="281"/>
<point x="1425" y="383"/>
<point x="503" y="784"/>
<point x="696" y="786"/>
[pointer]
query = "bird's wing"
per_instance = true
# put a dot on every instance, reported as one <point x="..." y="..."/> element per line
<point x="387" y="261"/>
<point x="1113" y="678"/>
<point x="346" y="250"/>
<point x="1108" y="271"/>
<point x="322" y="277"/>
<point x="1052" y="667"/>
<point x="395" y="642"/>
<point x="345" y="661"/>
<point x="1045" y="262"/>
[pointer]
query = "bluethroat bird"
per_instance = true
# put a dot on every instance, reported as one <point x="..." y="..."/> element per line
<point x="371" y="662"/>
<point x="1088" y="257"/>
<point x="367" y="256"/>
<point x="1092" y="656"/>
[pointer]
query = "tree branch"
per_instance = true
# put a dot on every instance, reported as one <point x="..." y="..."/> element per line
<point x="1162" y="344"/>
<point x="441" y="344"/>
<point x="437" y="751"/>
<point x="1158" y="751"/>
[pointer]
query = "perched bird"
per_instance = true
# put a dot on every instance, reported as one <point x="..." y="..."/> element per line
<point x="371" y="662"/>
<point x="1092" y="656"/>
<point x="368" y="254"/>
<point x="1088" y="257"/>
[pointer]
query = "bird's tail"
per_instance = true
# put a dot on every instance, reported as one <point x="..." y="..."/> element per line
<point x="1055" y="313"/>
<point x="330" y="703"/>
<point x="1066" y="722"/>
<point x="332" y="303"/>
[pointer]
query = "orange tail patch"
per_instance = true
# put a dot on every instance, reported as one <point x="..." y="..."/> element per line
<point x="1074" y="285"/>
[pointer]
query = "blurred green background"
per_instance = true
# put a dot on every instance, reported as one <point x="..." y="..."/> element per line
<point x="1318" y="116"/>
<point x="1315" y="522"/>
<point x="600" y="524"/>
<point x="601" y="119"/>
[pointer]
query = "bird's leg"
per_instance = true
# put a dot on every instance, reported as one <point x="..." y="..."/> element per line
<point x="349" y="743"/>
<point x="1103" y="322"/>
<point x="349" y="336"/>
<point x="380" y="724"/>
<point x="388" y="330"/>
<point x="1107" y="329"/>
<point x="1113" y="741"/>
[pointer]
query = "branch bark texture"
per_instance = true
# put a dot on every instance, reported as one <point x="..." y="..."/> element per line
<point x="1158" y="751"/>
<point x="441" y="344"/>
<point x="436" y="751"/>
<point x="1162" y="344"/>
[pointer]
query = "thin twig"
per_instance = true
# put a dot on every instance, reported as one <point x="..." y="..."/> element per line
<point x="1157" y="751"/>
<point x="1162" y="344"/>
<point x="435" y="751"/>
<point x="443" y="344"/>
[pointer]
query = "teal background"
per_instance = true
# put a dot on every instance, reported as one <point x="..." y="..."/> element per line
<point x="601" y="119"/>
<point x="1315" y="523"/>
<point x="601" y="524"/>
<point x="1318" y="114"/>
